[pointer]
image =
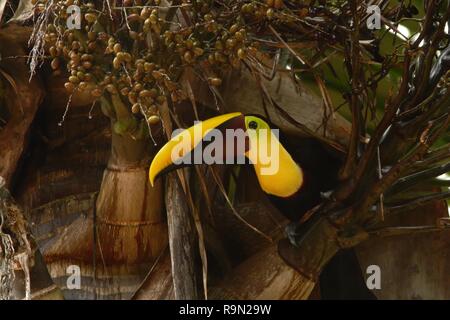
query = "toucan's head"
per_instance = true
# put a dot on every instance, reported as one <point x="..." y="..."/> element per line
<point x="230" y="139"/>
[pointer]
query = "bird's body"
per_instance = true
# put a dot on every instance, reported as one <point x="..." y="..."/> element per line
<point x="320" y="168"/>
<point x="342" y="277"/>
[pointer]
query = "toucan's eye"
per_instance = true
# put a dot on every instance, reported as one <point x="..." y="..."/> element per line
<point x="253" y="125"/>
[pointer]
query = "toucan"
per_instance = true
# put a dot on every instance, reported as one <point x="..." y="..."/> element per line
<point x="294" y="180"/>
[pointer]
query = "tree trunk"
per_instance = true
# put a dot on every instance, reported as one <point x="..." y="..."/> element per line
<point x="22" y="271"/>
<point x="59" y="187"/>
<point x="264" y="276"/>
<point x="117" y="244"/>
<point x="183" y="243"/>
<point x="128" y="207"/>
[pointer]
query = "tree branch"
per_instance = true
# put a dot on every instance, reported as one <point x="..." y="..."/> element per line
<point x="183" y="242"/>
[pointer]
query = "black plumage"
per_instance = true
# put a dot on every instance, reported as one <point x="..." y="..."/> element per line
<point x="320" y="167"/>
<point x="342" y="277"/>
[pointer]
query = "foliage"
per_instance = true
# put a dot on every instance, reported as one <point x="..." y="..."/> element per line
<point x="138" y="50"/>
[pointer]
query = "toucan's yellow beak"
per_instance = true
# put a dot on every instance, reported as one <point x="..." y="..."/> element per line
<point x="177" y="147"/>
<point x="278" y="174"/>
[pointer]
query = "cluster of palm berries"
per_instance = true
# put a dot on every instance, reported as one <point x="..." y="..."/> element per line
<point x="273" y="11"/>
<point x="130" y="51"/>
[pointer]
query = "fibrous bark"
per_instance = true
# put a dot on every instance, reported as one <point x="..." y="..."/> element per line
<point x="183" y="242"/>
<point x="23" y="274"/>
